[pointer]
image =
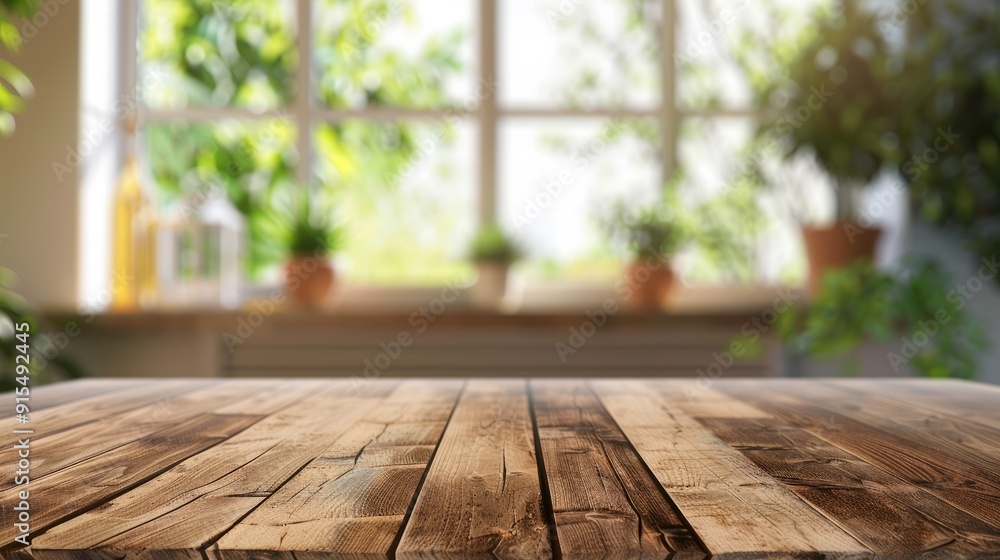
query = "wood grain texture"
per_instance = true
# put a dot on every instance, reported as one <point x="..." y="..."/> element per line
<point x="925" y="458"/>
<point x="59" y="497"/>
<point x="65" y="448"/>
<point x="605" y="502"/>
<point x="482" y="496"/>
<point x="351" y="500"/>
<point x="48" y="396"/>
<point x="292" y="469"/>
<point x="167" y="516"/>
<point x="736" y="509"/>
<point x="97" y="407"/>
<point x="891" y="517"/>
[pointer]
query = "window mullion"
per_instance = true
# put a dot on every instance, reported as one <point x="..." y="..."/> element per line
<point x="301" y="107"/>
<point x="487" y="112"/>
<point x="668" y="76"/>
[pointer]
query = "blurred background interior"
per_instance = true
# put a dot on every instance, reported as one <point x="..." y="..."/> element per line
<point x="501" y="187"/>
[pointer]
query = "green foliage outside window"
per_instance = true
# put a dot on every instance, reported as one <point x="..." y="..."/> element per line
<point x="206" y="53"/>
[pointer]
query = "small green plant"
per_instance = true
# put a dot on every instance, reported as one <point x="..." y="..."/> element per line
<point x="647" y="231"/>
<point x="492" y="244"/>
<point x="917" y="312"/>
<point x="305" y="224"/>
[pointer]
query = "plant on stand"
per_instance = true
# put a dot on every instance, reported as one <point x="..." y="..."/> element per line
<point x="307" y="228"/>
<point x="842" y="107"/>
<point x="493" y="252"/>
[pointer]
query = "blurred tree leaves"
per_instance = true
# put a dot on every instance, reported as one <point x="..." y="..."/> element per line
<point x="15" y="86"/>
<point x="238" y="53"/>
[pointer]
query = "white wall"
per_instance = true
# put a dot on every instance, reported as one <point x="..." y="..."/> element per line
<point x="38" y="211"/>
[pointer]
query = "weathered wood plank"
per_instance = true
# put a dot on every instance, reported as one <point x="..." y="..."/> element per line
<point x="97" y="407"/>
<point x="48" y="396"/>
<point x="737" y="510"/>
<point x="62" y="449"/>
<point x="927" y="460"/>
<point x="181" y="511"/>
<point x="482" y="497"/>
<point x="605" y="502"/>
<point x="970" y="402"/>
<point x="351" y="501"/>
<point x="59" y="497"/>
<point x="888" y="515"/>
<point x="974" y="440"/>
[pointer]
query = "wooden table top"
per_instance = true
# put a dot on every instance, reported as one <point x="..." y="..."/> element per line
<point x="249" y="469"/>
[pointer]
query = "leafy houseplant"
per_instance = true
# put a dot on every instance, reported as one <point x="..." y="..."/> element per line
<point x="493" y="252"/>
<point x="917" y="312"/>
<point x="652" y="238"/>
<point x="308" y="230"/>
<point x="843" y="106"/>
<point x="951" y="133"/>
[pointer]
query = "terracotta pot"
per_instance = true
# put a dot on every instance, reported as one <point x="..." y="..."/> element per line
<point x="308" y="280"/>
<point x="491" y="284"/>
<point x="650" y="283"/>
<point x="832" y="247"/>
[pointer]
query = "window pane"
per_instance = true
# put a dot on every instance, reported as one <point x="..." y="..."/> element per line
<point x="208" y="53"/>
<point x="724" y="46"/>
<point x="719" y="160"/>
<point x="245" y="162"/>
<point x="407" y="192"/>
<point x="393" y="53"/>
<point x="558" y="178"/>
<point x="593" y="54"/>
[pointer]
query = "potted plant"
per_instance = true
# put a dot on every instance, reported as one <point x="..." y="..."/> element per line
<point x="493" y="252"/>
<point x="915" y="310"/>
<point x="310" y="235"/>
<point x="652" y="237"/>
<point x="841" y="104"/>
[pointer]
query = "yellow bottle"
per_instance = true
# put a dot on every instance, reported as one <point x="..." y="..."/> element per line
<point x="133" y="279"/>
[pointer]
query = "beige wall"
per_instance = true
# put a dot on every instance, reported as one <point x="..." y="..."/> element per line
<point x="39" y="213"/>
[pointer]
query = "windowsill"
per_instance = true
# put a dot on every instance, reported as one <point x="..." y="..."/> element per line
<point x="360" y="306"/>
